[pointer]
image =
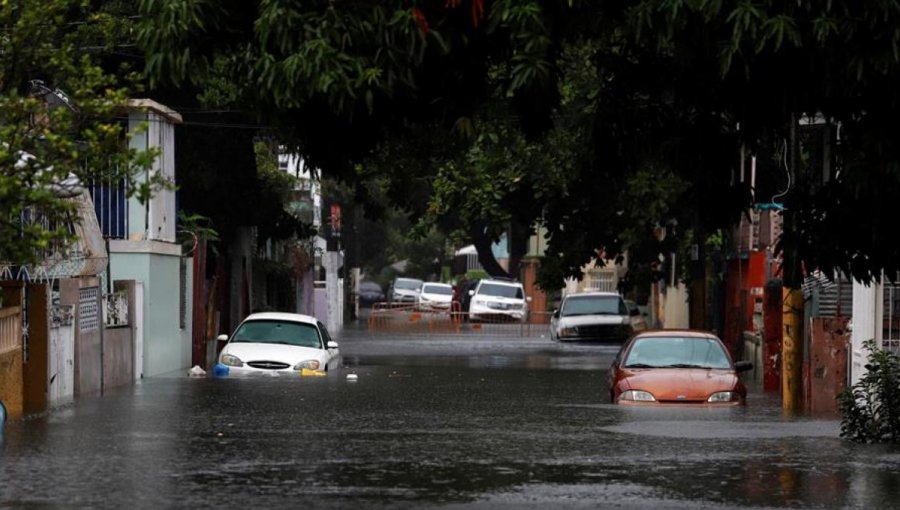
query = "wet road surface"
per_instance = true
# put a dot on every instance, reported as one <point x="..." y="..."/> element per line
<point x="449" y="422"/>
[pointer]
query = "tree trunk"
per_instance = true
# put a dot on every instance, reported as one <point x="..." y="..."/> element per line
<point x="518" y="246"/>
<point x="483" y="241"/>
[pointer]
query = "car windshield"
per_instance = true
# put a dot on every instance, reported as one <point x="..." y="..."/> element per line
<point x="593" y="305"/>
<point x="278" y="332"/>
<point x="507" y="291"/>
<point x="677" y="352"/>
<point x="437" y="289"/>
<point x="407" y="284"/>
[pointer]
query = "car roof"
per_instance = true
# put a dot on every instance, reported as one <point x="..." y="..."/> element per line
<point x="402" y="278"/>
<point x="281" y="316"/>
<point x="594" y="294"/>
<point x="661" y="333"/>
<point x="501" y="282"/>
<point x="439" y="284"/>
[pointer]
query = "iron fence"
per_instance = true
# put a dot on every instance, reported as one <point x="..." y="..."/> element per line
<point x="406" y="319"/>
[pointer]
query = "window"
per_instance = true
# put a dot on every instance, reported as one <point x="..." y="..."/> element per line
<point x="657" y="352"/>
<point x="593" y="305"/>
<point x="498" y="290"/>
<point x="442" y="290"/>
<point x="279" y="332"/>
<point x="325" y="336"/>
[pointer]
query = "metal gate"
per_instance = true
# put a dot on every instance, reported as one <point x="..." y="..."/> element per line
<point x="61" y="360"/>
<point x="890" y="321"/>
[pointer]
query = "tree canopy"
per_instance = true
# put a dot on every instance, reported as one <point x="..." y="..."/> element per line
<point x="596" y="120"/>
<point x="61" y="119"/>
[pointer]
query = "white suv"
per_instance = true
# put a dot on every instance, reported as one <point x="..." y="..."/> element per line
<point x="498" y="300"/>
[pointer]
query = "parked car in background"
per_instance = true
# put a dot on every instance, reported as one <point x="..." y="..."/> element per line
<point x="498" y="300"/>
<point x="404" y="290"/>
<point x="639" y="320"/>
<point x="597" y="316"/>
<point x="676" y="367"/>
<point x="370" y="292"/>
<point x="435" y="297"/>
<point x="279" y="343"/>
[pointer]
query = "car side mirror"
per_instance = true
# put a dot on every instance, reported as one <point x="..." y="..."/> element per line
<point x="471" y="293"/>
<point x="743" y="366"/>
<point x="222" y="338"/>
<point x="556" y="313"/>
<point x="528" y="299"/>
<point x="332" y="344"/>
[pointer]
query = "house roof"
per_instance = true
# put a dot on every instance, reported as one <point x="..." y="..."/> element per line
<point x="157" y="108"/>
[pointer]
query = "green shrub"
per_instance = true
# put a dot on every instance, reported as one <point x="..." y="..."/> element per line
<point x="870" y="410"/>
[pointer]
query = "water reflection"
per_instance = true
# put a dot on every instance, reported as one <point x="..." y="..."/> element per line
<point x="436" y="425"/>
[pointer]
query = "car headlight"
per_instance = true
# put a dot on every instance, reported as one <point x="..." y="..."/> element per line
<point x="231" y="360"/>
<point x="568" y="331"/>
<point x="724" y="396"/>
<point x="480" y="302"/>
<point x="637" y="396"/>
<point x="310" y="364"/>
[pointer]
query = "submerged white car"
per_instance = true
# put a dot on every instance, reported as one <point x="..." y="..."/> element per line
<point x="279" y="342"/>
<point x="598" y="316"/>
<point x="498" y="300"/>
<point x="434" y="296"/>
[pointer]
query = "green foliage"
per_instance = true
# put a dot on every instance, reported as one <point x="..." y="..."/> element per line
<point x="276" y="219"/>
<point x="476" y="274"/>
<point x="45" y="140"/>
<point x="870" y="410"/>
<point x="194" y="227"/>
<point x="595" y="119"/>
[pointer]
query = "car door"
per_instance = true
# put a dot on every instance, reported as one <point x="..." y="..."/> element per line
<point x="554" y="321"/>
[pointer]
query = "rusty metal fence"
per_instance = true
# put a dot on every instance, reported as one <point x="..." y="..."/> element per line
<point x="406" y="319"/>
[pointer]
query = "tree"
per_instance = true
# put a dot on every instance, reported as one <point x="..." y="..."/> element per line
<point x="61" y="121"/>
<point x="335" y="80"/>
<point x="638" y="111"/>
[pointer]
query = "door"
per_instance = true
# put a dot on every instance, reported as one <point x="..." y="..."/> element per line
<point x="61" y="365"/>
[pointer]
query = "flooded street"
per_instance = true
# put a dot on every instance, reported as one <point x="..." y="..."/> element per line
<point x="450" y="422"/>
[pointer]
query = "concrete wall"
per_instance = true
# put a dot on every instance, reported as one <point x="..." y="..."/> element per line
<point x="166" y="346"/>
<point x="11" y="381"/>
<point x="677" y="312"/>
<point x="867" y="300"/>
<point x="827" y="377"/>
<point x="88" y="365"/>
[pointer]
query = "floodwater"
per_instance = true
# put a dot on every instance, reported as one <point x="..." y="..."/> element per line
<point x="449" y="422"/>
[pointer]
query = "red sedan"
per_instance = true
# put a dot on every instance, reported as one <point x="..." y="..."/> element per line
<point x="676" y="367"/>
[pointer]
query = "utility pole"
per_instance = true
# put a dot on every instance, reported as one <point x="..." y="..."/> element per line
<point x="792" y="295"/>
<point x="333" y="290"/>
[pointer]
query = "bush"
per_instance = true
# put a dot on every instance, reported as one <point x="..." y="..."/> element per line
<point x="870" y="410"/>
